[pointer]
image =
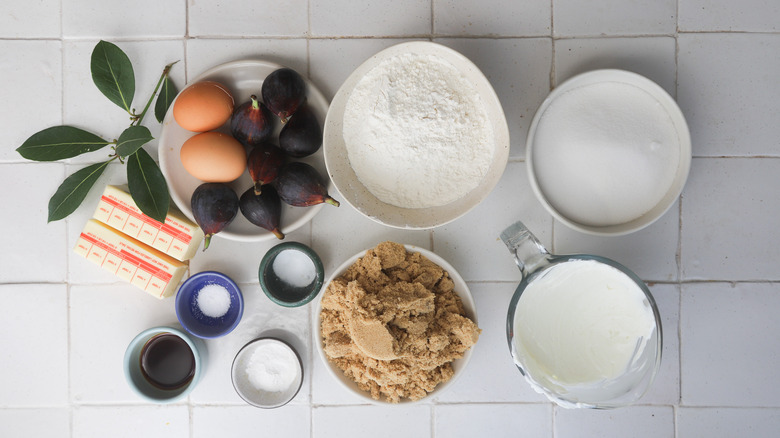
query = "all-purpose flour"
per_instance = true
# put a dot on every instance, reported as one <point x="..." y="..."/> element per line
<point x="417" y="132"/>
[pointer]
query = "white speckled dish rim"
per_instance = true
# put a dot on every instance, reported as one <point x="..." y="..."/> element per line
<point x="243" y="78"/>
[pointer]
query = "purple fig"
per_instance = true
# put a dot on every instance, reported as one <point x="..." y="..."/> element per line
<point x="263" y="210"/>
<point x="264" y="163"/>
<point x="302" y="134"/>
<point x="300" y="185"/>
<point x="283" y="92"/>
<point x="214" y="206"/>
<point x="252" y="123"/>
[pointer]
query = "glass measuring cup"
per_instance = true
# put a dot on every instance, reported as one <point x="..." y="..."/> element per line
<point x="569" y="349"/>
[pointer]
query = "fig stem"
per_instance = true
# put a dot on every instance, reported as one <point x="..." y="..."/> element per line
<point x="255" y="103"/>
<point x="279" y="235"/>
<point x="206" y="241"/>
<point x="332" y="201"/>
<point x="258" y="188"/>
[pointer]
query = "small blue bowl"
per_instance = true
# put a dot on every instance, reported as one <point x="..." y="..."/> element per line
<point x="194" y="320"/>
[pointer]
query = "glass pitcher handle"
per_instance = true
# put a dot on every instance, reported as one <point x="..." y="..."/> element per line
<point x="528" y="252"/>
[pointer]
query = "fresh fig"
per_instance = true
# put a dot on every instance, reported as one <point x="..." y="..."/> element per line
<point x="283" y="92"/>
<point x="302" y="134"/>
<point x="263" y="210"/>
<point x="300" y="185"/>
<point x="264" y="163"/>
<point x="252" y="123"/>
<point x="214" y="206"/>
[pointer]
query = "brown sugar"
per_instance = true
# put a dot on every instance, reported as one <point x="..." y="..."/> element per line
<point x="393" y="324"/>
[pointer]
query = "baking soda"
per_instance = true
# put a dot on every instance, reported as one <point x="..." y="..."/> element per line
<point x="213" y="300"/>
<point x="272" y="367"/>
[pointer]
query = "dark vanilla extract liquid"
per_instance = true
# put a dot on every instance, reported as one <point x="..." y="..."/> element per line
<point x="167" y="362"/>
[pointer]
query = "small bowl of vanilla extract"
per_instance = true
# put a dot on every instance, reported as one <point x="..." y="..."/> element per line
<point x="162" y="364"/>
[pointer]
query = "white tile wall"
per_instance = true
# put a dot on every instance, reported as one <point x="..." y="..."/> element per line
<point x="35" y="345"/>
<point x="35" y="70"/>
<point x="247" y="18"/>
<point x="711" y="261"/>
<point x="728" y="92"/>
<point x="614" y="17"/>
<point x="48" y="422"/>
<point x="725" y="15"/>
<point x="370" y="18"/>
<point x="633" y="421"/>
<point x="652" y="57"/>
<point x="492" y="17"/>
<point x="722" y="346"/>
<point x="131" y="421"/>
<point x="728" y="422"/>
<point x="31" y="19"/>
<point x="122" y="19"/>
<point x="35" y="251"/>
<point x="493" y="420"/>
<point x="740" y="245"/>
<point x="358" y="421"/>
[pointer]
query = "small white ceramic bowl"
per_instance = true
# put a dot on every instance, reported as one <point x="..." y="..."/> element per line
<point x="458" y="365"/>
<point x="252" y="395"/>
<point x="592" y="198"/>
<point x="357" y="195"/>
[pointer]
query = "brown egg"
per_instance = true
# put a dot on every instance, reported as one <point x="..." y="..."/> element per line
<point x="213" y="157"/>
<point x="203" y="106"/>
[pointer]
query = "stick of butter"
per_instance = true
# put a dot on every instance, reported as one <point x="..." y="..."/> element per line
<point x="129" y="259"/>
<point x="178" y="237"/>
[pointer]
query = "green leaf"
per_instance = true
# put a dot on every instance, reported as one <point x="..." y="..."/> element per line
<point x="164" y="100"/>
<point x="113" y="74"/>
<point x="58" y="143"/>
<point x="131" y="139"/>
<point x="147" y="185"/>
<point x="73" y="190"/>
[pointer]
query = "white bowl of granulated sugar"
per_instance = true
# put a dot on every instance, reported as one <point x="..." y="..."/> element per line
<point x="415" y="137"/>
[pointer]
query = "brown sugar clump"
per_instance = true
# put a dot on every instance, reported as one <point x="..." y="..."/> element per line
<point x="393" y="323"/>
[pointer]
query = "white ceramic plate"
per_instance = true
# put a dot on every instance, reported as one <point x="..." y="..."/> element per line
<point x="665" y="106"/>
<point x="242" y="78"/>
<point x="458" y="365"/>
<point x="357" y="195"/>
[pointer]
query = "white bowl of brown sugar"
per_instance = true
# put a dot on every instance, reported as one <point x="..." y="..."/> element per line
<point x="395" y="324"/>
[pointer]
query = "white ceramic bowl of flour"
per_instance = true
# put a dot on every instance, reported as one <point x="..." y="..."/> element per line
<point x="608" y="152"/>
<point x="415" y="137"/>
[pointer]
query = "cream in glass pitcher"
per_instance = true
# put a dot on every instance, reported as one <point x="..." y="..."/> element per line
<point x="583" y="329"/>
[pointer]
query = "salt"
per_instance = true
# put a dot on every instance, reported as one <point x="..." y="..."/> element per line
<point x="272" y="367"/>
<point x="294" y="268"/>
<point x="213" y="300"/>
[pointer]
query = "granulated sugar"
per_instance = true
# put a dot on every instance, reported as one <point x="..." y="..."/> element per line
<point x="417" y="132"/>
<point x="605" y="153"/>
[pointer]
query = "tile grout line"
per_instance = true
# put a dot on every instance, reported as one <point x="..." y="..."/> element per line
<point x="71" y="405"/>
<point x="678" y="255"/>
<point x="310" y="319"/>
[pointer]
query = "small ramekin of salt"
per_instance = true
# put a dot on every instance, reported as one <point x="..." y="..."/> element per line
<point x="291" y="274"/>
<point x="209" y="304"/>
<point x="267" y="373"/>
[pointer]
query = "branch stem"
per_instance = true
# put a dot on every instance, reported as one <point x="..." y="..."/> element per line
<point x="140" y="117"/>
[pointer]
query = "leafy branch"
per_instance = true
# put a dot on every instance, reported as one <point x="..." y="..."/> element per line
<point x="112" y="73"/>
